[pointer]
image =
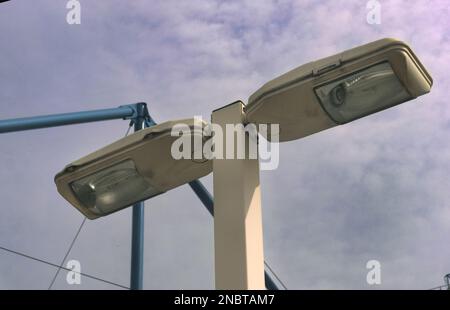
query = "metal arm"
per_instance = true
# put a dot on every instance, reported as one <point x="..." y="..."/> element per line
<point x="45" y="121"/>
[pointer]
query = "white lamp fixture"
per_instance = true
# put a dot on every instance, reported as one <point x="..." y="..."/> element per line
<point x="339" y="89"/>
<point x="132" y="169"/>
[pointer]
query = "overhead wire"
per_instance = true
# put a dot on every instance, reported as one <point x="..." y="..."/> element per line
<point x="67" y="253"/>
<point x="61" y="267"/>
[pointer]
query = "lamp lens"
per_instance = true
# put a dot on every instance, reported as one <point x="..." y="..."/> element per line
<point x="113" y="188"/>
<point x="337" y="95"/>
<point x="366" y="92"/>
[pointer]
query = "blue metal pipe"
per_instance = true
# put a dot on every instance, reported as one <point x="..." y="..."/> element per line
<point x="137" y="228"/>
<point x="203" y="194"/>
<point x="44" y="121"/>
<point x="137" y="247"/>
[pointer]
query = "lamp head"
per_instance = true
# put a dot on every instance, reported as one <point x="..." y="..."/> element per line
<point x="339" y="89"/>
<point x="132" y="169"/>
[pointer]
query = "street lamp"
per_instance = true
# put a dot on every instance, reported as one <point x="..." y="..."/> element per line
<point x="314" y="97"/>
<point x="339" y="89"/>
<point x="129" y="170"/>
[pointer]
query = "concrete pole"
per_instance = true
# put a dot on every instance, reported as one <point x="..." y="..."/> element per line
<point x="238" y="234"/>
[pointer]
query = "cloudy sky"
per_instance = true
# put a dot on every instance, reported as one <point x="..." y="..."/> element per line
<point x="377" y="188"/>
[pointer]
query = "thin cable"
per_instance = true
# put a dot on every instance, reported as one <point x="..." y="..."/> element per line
<point x="129" y="127"/>
<point x="62" y="267"/>
<point x="279" y="280"/>
<point x="67" y="253"/>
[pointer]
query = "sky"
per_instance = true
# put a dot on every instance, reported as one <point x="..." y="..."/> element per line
<point x="374" y="189"/>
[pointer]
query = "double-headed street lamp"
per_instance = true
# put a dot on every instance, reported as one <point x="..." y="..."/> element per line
<point x="314" y="97"/>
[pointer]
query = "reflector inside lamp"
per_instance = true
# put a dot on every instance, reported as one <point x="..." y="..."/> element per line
<point x="112" y="188"/>
<point x="371" y="90"/>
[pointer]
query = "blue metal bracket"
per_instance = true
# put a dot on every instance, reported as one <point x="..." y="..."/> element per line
<point x="54" y="120"/>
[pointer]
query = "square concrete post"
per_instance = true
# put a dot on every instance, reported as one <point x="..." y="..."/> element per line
<point x="238" y="233"/>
